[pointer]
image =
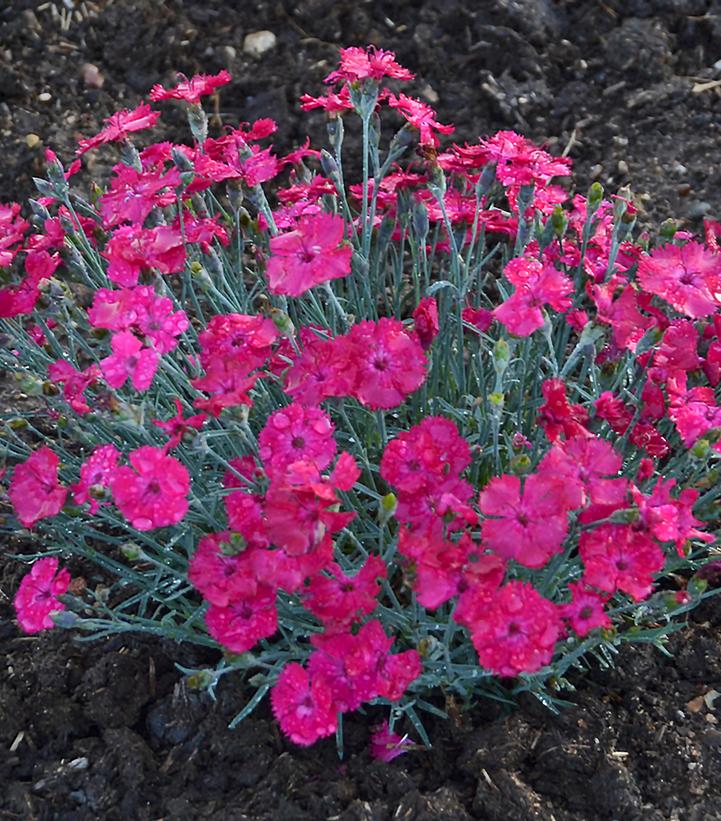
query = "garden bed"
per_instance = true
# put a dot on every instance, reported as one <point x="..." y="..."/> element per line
<point x="110" y="730"/>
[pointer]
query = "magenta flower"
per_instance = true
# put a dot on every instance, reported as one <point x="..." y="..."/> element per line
<point x="154" y="492"/>
<point x="37" y="596"/>
<point x="313" y="253"/>
<point x="390" y="364"/>
<point x="387" y="745"/>
<point x="527" y="525"/>
<point x="242" y="623"/>
<point x="191" y="90"/>
<point x="130" y="360"/>
<point x="371" y="63"/>
<point x="95" y="475"/>
<point x="296" y="433"/>
<point x="688" y="277"/>
<point x="303" y="706"/>
<point x="514" y="629"/>
<point x="35" y="492"/>
<point x="119" y="125"/>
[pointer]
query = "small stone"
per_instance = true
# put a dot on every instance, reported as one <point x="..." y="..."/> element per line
<point x="258" y="42"/>
<point x="430" y="94"/>
<point x="91" y="76"/>
<point x="229" y="53"/>
<point x="698" y="209"/>
<point x="596" y="171"/>
<point x="623" y="167"/>
<point x="45" y="97"/>
<point x="684" y="189"/>
<point x="31" y="140"/>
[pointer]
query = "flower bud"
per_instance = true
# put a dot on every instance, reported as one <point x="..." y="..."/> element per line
<point x="497" y="399"/>
<point x="701" y="449"/>
<point x="387" y="507"/>
<point x="131" y="551"/>
<point x="501" y="357"/>
<point x="595" y="195"/>
<point x="198" y="122"/>
<point x="180" y="160"/>
<point x="559" y="221"/>
<point x="328" y="165"/>
<point x="235" y="544"/>
<point x="283" y="322"/>
<point x="200" y="679"/>
<point x="65" y="619"/>
<point x="521" y="464"/>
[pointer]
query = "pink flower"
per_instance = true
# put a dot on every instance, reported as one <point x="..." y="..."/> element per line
<point x="313" y="253"/>
<point x="421" y="116"/>
<point x="617" y="557"/>
<point x="370" y="63"/>
<point x="12" y="232"/>
<point x="514" y="630"/>
<point x="425" y="455"/>
<point x="387" y="745"/>
<point x="688" y="277"/>
<point x="119" y="125"/>
<point x="480" y="318"/>
<point x="37" y="596"/>
<point x="222" y="574"/>
<point x="325" y="368"/>
<point x="191" y="90"/>
<point x="242" y="623"/>
<point x="339" y="600"/>
<point x="296" y="433"/>
<point x="390" y="364"/>
<point x="35" y="491"/>
<point x="154" y="492"/>
<point x="129" y="360"/>
<point x="74" y="383"/>
<point x="134" y="194"/>
<point x="132" y="249"/>
<point x="585" y="610"/>
<point x="559" y="418"/>
<point x="425" y="321"/>
<point x="537" y="284"/>
<point x="303" y="706"/>
<point x="95" y="476"/>
<point x="178" y="426"/>
<point x="528" y="525"/>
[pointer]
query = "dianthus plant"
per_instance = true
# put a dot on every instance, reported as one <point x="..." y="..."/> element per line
<point x="443" y="432"/>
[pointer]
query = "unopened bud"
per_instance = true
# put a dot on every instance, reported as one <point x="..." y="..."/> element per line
<point x="521" y="464"/>
<point x="283" y="322"/>
<point x="200" y="679"/>
<point x="595" y="195"/>
<point x="131" y="551"/>
<point x="497" y="399"/>
<point x="387" y="508"/>
<point x="501" y="356"/>
<point x="559" y="221"/>
<point x="198" y="122"/>
<point x="234" y="545"/>
<point x="181" y="160"/>
<point x="328" y="165"/>
<point x="701" y="449"/>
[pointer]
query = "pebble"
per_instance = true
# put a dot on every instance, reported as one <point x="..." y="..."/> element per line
<point x="91" y="76"/>
<point x="229" y="53"/>
<point x="596" y="171"/>
<point x="258" y="42"/>
<point x="698" y="209"/>
<point x="622" y="167"/>
<point x="684" y="189"/>
<point x="45" y="97"/>
<point x="31" y="140"/>
<point x="430" y="94"/>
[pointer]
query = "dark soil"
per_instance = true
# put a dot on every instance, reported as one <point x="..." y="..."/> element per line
<point x="632" y="90"/>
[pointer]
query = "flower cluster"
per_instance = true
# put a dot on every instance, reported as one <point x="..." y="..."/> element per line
<point x="368" y="438"/>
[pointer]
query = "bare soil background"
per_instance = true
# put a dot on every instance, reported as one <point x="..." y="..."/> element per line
<point x="632" y="90"/>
